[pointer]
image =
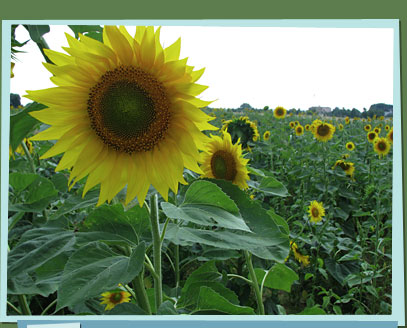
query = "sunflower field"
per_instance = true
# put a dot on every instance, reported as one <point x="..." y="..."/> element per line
<point x="128" y="194"/>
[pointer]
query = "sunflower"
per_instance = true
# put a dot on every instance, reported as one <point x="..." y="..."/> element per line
<point x="377" y="130"/>
<point x="350" y="146"/>
<point x="111" y="299"/>
<point x="11" y="70"/>
<point x="279" y="112"/>
<point x="292" y="125"/>
<point x="390" y="136"/>
<point x="367" y="127"/>
<point x="323" y="131"/>
<point x="345" y="156"/>
<point x="299" y="130"/>
<point x="381" y="118"/>
<point x="296" y="123"/>
<point x="316" y="211"/>
<point x="381" y="146"/>
<point x="242" y="128"/>
<point x="307" y="127"/>
<point x="223" y="160"/>
<point x="266" y="135"/>
<point x="387" y="128"/>
<point x="347" y="167"/>
<point x="371" y="136"/>
<point x="120" y="110"/>
<point x="347" y="120"/>
<point x="340" y="127"/>
<point x="20" y="149"/>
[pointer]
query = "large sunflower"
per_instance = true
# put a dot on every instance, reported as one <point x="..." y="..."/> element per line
<point x="120" y="110"/>
<point x="279" y="112"/>
<point x="323" y="131"/>
<point x="381" y="146"/>
<point x="223" y="160"/>
<point x="316" y="211"/>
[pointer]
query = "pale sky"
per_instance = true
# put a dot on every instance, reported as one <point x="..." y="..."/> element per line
<point x="273" y="66"/>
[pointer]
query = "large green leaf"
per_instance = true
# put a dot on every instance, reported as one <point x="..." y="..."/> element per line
<point x="207" y="205"/>
<point x="20" y="181"/>
<point x="265" y="241"/>
<point x="341" y="270"/>
<point x="113" y="225"/>
<point x="22" y="123"/>
<point x="37" y="247"/>
<point x="95" y="268"/>
<point x="270" y="185"/>
<point x="209" y="299"/>
<point x="280" y="277"/>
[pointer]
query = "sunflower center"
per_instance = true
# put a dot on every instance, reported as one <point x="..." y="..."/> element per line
<point x="323" y="130"/>
<point x="116" y="298"/>
<point x="280" y="112"/>
<point x="372" y="136"/>
<point x="382" y="146"/>
<point x="129" y="109"/>
<point x="315" y="212"/>
<point x="223" y="165"/>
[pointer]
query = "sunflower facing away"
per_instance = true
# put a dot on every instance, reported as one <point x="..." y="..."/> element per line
<point x="316" y="211"/>
<point x="266" y="135"/>
<point x="323" y="131"/>
<point x="241" y="128"/>
<point x="279" y="112"/>
<point x="120" y="110"/>
<point x="111" y="299"/>
<point x="350" y="146"/>
<point x="223" y="160"/>
<point x="304" y="259"/>
<point x="381" y="146"/>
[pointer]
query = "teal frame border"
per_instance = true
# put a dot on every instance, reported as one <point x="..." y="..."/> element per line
<point x="397" y="242"/>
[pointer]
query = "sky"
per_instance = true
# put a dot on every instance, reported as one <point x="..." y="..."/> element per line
<point x="261" y="66"/>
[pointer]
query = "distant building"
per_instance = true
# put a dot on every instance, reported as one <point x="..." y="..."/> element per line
<point x="320" y="110"/>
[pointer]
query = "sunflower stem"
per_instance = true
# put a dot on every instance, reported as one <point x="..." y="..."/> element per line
<point x="155" y="231"/>
<point x="27" y="153"/>
<point x="14" y="308"/>
<point x="141" y="294"/>
<point x="49" y="306"/>
<point x="25" y="309"/>
<point x="255" y="283"/>
<point x="177" y="272"/>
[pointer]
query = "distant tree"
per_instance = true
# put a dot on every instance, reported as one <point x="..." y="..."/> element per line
<point x="245" y="105"/>
<point x="15" y="100"/>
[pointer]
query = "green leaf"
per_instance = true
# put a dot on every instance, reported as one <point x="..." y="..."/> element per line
<point x="85" y="29"/>
<point x="341" y="270"/>
<point x="126" y="309"/>
<point x="280" y="277"/>
<point x="206" y="204"/>
<point x="94" y="269"/>
<point x="208" y="299"/>
<point x="270" y="185"/>
<point x="315" y="310"/>
<point x="112" y="225"/>
<point x="37" y="31"/>
<point x="20" y="181"/>
<point x="74" y="202"/>
<point x="167" y="308"/>
<point x="308" y="276"/>
<point x="60" y="182"/>
<point x="279" y="221"/>
<point x="22" y="124"/>
<point x="337" y="309"/>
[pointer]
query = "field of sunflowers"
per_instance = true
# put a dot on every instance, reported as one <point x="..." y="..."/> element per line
<point x="129" y="195"/>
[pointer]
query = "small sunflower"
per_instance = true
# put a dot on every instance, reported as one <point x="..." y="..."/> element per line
<point x="20" y="149"/>
<point x="323" y="132"/>
<point x="304" y="259"/>
<point x="377" y="130"/>
<point x="223" y="160"/>
<point x="367" y="127"/>
<point x="350" y="146"/>
<point x="381" y="118"/>
<point x="340" y="127"/>
<point x="266" y="135"/>
<point x="347" y="167"/>
<point x="381" y="146"/>
<point x="111" y="299"/>
<point x="369" y="119"/>
<point x="390" y="136"/>
<point x="387" y="128"/>
<point x="122" y="108"/>
<point x="371" y="136"/>
<point x="347" y="120"/>
<point x="345" y="156"/>
<point x="316" y="211"/>
<point x="292" y="125"/>
<point x="279" y="112"/>
<point x="296" y="123"/>
<point x="307" y="127"/>
<point x="299" y="130"/>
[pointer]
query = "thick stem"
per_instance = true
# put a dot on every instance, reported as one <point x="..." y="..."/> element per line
<point x="141" y="294"/>
<point x="177" y="272"/>
<point x="155" y="231"/>
<point x="255" y="284"/>
<point x="25" y="309"/>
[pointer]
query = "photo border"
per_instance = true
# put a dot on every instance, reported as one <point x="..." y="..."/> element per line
<point x="330" y="23"/>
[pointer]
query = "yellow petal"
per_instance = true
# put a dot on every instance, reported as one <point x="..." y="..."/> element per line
<point x="119" y="44"/>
